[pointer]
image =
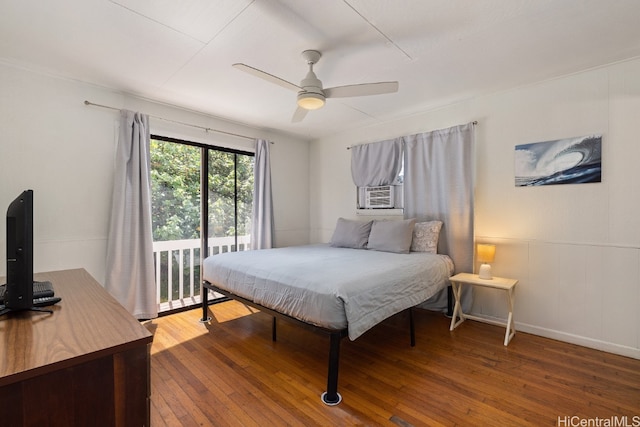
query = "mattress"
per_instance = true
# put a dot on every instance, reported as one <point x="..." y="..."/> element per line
<point x="334" y="288"/>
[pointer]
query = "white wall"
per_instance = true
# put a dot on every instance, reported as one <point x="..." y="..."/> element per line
<point x="63" y="150"/>
<point x="574" y="248"/>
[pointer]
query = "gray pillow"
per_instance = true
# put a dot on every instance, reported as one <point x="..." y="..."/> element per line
<point x="351" y="234"/>
<point x="391" y="236"/>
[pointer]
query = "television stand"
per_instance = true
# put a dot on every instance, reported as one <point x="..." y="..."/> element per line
<point x="6" y="310"/>
<point x="38" y="304"/>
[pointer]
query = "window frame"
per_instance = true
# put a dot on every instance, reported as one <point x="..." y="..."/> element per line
<point x="204" y="200"/>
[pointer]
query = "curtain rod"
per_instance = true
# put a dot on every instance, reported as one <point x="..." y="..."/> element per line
<point x="206" y="129"/>
<point x="475" y="122"/>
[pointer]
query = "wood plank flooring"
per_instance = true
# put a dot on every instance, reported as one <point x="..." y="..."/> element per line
<point x="230" y="373"/>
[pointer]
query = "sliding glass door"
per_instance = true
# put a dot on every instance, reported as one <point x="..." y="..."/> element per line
<point x="177" y="168"/>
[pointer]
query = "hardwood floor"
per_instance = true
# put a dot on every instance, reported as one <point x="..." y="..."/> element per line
<point x="230" y="373"/>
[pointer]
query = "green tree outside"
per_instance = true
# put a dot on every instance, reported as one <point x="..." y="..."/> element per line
<point x="175" y="192"/>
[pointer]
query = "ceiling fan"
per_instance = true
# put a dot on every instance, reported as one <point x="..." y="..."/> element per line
<point x="311" y="95"/>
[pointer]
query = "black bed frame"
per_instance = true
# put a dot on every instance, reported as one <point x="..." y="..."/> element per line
<point x="331" y="396"/>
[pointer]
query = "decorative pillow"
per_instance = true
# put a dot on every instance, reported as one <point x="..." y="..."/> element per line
<point x="351" y="234"/>
<point x="391" y="236"/>
<point x="425" y="237"/>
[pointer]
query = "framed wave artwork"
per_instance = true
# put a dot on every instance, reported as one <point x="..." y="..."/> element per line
<point x="564" y="161"/>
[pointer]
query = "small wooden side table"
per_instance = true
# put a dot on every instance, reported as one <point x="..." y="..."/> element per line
<point x="508" y="285"/>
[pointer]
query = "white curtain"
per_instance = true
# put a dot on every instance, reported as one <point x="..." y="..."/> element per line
<point x="377" y="163"/>
<point x="439" y="185"/>
<point x="130" y="268"/>
<point x="262" y="215"/>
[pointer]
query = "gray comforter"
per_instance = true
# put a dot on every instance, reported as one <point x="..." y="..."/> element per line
<point x="331" y="287"/>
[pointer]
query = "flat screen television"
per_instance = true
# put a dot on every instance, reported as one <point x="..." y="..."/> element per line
<point x="19" y="292"/>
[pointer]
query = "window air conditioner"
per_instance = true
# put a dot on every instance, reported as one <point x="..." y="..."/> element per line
<point x="378" y="197"/>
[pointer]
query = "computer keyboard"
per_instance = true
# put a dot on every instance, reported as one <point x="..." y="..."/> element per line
<point x="40" y="290"/>
<point x="45" y="301"/>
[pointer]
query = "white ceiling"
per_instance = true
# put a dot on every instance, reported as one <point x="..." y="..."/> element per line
<point x="440" y="51"/>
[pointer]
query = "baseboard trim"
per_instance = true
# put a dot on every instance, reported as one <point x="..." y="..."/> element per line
<point x="609" y="347"/>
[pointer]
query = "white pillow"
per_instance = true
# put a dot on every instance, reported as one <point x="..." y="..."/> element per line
<point x="425" y="237"/>
<point x="351" y="234"/>
<point x="391" y="236"/>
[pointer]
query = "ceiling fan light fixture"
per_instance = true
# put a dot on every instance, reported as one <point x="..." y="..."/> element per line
<point x="311" y="94"/>
<point x="310" y="100"/>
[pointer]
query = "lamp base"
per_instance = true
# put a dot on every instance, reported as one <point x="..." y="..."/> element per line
<point x="485" y="272"/>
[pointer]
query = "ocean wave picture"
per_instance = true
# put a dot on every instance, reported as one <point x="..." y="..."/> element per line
<point x="563" y="161"/>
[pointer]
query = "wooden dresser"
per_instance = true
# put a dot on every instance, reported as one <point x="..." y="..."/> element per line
<point x="87" y="364"/>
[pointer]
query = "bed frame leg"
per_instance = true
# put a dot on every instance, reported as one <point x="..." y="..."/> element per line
<point x="449" y="301"/>
<point x="412" y="328"/>
<point x="331" y="396"/>
<point x="204" y="292"/>
<point x="273" y="329"/>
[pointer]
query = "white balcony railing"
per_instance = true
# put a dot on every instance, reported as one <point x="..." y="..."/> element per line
<point x="177" y="264"/>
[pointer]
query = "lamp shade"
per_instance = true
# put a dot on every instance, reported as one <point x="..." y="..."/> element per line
<point x="486" y="253"/>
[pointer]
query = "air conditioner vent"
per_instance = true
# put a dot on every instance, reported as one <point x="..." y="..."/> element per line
<point x="379" y="197"/>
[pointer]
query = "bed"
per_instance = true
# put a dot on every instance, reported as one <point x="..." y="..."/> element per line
<point x="344" y="288"/>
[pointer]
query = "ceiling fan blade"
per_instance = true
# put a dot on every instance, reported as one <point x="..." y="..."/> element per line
<point x="266" y="76"/>
<point x="299" y="114"/>
<point x="364" y="89"/>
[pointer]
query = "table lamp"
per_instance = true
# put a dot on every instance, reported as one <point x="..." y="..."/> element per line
<point x="486" y="254"/>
